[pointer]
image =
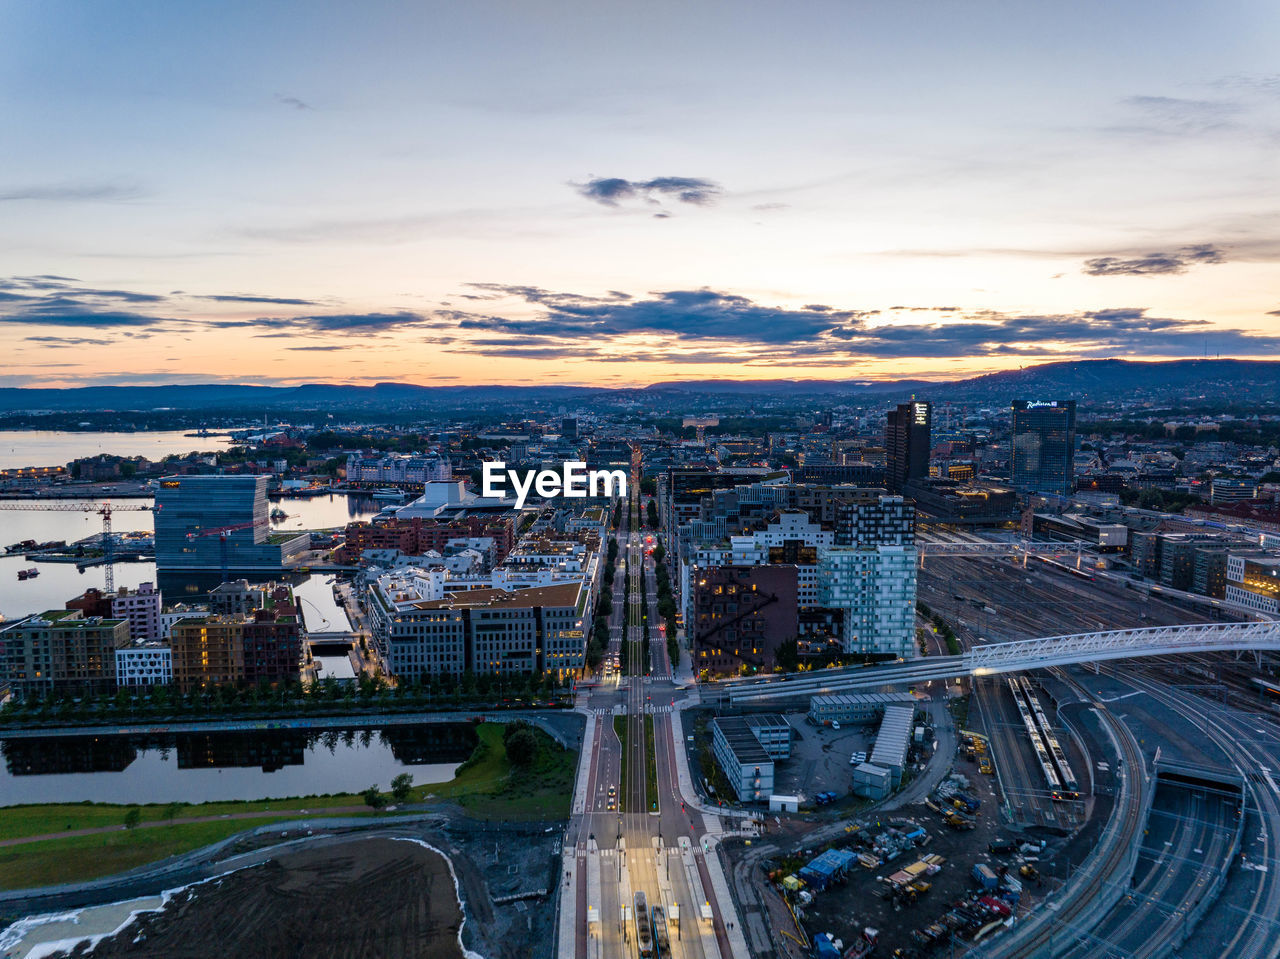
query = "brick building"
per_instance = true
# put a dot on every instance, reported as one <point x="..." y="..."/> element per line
<point x="418" y="536"/>
<point x="741" y="615"/>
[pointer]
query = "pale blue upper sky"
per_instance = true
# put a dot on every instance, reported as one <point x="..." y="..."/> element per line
<point x="613" y="193"/>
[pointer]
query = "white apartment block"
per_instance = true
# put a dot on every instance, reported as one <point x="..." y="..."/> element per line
<point x="149" y="664"/>
<point x="876" y="588"/>
<point x="425" y="622"/>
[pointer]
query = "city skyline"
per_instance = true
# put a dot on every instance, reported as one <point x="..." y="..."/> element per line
<point x="512" y="194"/>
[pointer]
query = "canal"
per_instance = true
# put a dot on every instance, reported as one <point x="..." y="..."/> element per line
<point x="205" y="766"/>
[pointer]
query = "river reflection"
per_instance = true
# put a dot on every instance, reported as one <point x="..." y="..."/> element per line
<point x="196" y="767"/>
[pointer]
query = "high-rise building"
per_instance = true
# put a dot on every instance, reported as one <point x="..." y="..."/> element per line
<point x="875" y="588"/>
<point x="870" y="576"/>
<point x="189" y="511"/>
<point x="1044" y="441"/>
<point x="907" y="441"/>
<point x="569" y="428"/>
<point x="61" y="650"/>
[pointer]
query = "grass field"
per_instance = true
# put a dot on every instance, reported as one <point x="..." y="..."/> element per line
<point x="489" y="786"/>
<point x="18" y="821"/>
<point x="78" y="858"/>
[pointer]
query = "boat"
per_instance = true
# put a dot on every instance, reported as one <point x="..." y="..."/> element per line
<point x="31" y="573"/>
<point x="388" y="493"/>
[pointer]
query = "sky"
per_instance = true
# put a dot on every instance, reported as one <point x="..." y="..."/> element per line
<point x="616" y="194"/>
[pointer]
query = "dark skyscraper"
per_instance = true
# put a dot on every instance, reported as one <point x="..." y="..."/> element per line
<point x="906" y="443"/>
<point x="1044" y="442"/>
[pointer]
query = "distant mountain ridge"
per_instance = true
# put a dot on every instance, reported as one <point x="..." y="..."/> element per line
<point x="1227" y="379"/>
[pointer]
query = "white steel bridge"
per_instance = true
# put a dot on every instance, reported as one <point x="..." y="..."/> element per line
<point x="1011" y="657"/>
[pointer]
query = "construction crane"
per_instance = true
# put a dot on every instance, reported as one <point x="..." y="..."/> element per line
<point x="102" y="509"/>
<point x="223" y="532"/>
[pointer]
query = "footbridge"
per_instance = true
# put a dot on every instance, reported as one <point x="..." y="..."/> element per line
<point x="1015" y="548"/>
<point x="1009" y="657"/>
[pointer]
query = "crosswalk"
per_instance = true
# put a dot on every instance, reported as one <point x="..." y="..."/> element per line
<point x="618" y="710"/>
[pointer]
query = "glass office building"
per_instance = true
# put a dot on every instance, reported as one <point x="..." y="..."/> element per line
<point x="1044" y="442"/>
<point x="189" y="511"/>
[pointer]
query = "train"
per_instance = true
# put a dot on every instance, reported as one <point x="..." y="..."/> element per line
<point x="1270" y="689"/>
<point x="1061" y="780"/>
<point x="661" y="939"/>
<point x="1051" y="779"/>
<point x="644" y="928"/>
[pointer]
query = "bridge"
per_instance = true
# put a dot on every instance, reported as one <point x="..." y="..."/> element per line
<point x="1016" y="548"/>
<point x="1010" y="657"/>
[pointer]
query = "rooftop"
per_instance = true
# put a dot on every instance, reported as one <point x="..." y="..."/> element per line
<point x="559" y="594"/>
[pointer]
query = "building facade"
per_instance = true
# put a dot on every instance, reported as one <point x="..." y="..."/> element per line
<point x="395" y="470"/>
<point x="420" y="629"/>
<point x="746" y="748"/>
<point x="1044" y="441"/>
<point x="741" y="615"/>
<point x="207" y="652"/>
<point x="59" y="650"/>
<point x="189" y="511"/>
<point x="141" y="607"/>
<point x="144" y="664"/>
<point x="907" y="442"/>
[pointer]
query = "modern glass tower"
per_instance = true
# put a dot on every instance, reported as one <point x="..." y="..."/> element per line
<point x="189" y="509"/>
<point x="1044" y="444"/>
<point x="906" y="444"/>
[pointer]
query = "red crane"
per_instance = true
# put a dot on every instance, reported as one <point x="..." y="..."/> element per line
<point x="222" y="532"/>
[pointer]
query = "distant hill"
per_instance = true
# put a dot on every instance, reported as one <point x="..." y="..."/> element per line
<point x="307" y="396"/>
<point x="1225" y="380"/>
<point x="1238" y="381"/>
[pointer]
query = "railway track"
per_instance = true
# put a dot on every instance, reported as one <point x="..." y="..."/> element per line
<point x="1048" y="933"/>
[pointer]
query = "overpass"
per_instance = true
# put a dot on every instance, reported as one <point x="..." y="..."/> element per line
<point x="1016" y="548"/>
<point x="1010" y="657"/>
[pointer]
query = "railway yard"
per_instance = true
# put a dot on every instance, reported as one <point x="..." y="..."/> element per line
<point x="1127" y="813"/>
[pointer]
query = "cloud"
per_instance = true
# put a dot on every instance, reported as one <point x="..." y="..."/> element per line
<point x="335" y="322"/>
<point x="71" y="193"/>
<point x="315" y="349"/>
<point x="294" y="102"/>
<point x="611" y="191"/>
<point x="1176" y="116"/>
<point x="708" y="326"/>
<point x="247" y="298"/>
<point x="63" y="341"/>
<point x="1151" y="264"/>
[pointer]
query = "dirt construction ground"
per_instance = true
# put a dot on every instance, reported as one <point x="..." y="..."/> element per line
<point x="364" y="899"/>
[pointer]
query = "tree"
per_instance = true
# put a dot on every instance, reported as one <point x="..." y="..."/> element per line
<point x="172" y="810"/>
<point x="132" y="817"/>
<point x="651" y="514"/>
<point x="401" y="787"/>
<point x="522" y="746"/>
<point x="373" y="798"/>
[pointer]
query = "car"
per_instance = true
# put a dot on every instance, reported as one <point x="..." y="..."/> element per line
<point x="857" y="758"/>
<point x="835" y="724"/>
